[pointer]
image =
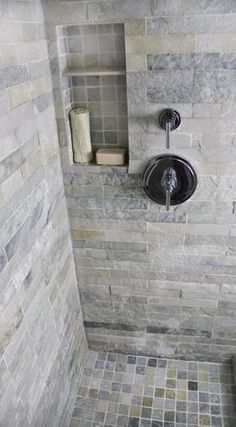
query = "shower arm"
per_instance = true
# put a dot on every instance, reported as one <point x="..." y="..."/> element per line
<point x="167" y="135"/>
<point x="169" y="120"/>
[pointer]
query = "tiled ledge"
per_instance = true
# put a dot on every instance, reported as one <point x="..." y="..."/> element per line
<point x="93" y="168"/>
<point x="95" y="72"/>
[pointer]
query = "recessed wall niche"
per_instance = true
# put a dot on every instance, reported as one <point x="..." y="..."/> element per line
<point x="93" y="64"/>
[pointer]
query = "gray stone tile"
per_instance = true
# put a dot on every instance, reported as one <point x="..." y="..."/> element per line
<point x="195" y="61"/>
<point x="146" y="411"/>
<point x="200" y="24"/>
<point x="12" y="76"/>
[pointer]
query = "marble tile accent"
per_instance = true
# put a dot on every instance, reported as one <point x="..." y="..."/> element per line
<point x="195" y="61"/>
<point x="187" y="85"/>
<point x="102" y="10"/>
<point x="200" y="24"/>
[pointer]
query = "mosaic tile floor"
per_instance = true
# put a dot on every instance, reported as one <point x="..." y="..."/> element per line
<point x="132" y="391"/>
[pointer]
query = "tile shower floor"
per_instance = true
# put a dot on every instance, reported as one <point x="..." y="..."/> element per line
<point x="133" y="391"/>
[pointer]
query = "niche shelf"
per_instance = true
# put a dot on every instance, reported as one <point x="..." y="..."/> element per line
<point x="94" y="72"/>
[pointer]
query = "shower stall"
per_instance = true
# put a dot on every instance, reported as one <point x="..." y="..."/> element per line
<point x="117" y="281"/>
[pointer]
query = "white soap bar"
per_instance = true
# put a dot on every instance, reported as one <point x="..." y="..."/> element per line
<point x="110" y="156"/>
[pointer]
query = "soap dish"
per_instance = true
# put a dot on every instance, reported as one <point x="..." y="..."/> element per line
<point x="111" y="156"/>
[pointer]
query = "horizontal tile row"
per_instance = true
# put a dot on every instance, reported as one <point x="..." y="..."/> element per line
<point x="186" y="86"/>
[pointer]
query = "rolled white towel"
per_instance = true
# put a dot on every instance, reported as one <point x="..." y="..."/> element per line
<point x="80" y="130"/>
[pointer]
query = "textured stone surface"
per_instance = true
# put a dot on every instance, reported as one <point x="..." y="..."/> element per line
<point x="153" y="281"/>
<point x="138" y="391"/>
<point x="42" y="339"/>
<point x="200" y="24"/>
<point x="196" y="61"/>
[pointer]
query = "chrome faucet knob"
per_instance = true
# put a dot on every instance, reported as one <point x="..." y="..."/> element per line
<point x="168" y="184"/>
<point x="169" y="179"/>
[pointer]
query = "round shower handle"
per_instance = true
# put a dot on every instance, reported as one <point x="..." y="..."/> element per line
<point x="169" y="180"/>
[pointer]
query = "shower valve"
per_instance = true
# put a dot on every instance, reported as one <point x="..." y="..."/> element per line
<point x="169" y="180"/>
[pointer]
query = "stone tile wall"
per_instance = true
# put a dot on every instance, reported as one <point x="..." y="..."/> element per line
<point x="154" y="282"/>
<point x="42" y="338"/>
